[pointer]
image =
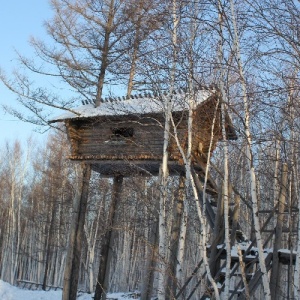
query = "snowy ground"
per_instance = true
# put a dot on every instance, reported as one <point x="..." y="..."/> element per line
<point x="8" y="292"/>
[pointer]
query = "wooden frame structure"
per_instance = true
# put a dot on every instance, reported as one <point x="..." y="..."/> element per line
<point x="124" y="137"/>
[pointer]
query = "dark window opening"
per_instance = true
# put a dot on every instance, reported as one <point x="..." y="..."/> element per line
<point x="122" y="132"/>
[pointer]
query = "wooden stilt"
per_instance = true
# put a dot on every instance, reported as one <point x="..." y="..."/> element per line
<point x="76" y="236"/>
<point x="107" y="242"/>
<point x="147" y="287"/>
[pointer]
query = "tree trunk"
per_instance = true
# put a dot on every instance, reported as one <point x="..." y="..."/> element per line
<point x="249" y="155"/>
<point x="218" y="236"/>
<point x="136" y="44"/>
<point x="274" y="281"/>
<point x="71" y="273"/>
<point x="243" y="273"/>
<point x="106" y="252"/>
<point x="178" y="222"/>
<point x="48" y="245"/>
<point x="151" y="262"/>
<point x="105" y="52"/>
<point x="164" y="173"/>
<point x="234" y="218"/>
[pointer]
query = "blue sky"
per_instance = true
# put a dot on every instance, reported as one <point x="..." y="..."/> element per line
<point x="18" y="21"/>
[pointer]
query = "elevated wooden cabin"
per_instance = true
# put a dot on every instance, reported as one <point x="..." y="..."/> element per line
<point x="125" y="136"/>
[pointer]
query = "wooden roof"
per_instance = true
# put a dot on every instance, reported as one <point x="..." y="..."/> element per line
<point x="136" y="105"/>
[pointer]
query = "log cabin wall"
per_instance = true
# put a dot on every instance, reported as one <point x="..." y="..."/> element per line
<point x="206" y="128"/>
<point x="141" y="138"/>
<point x="203" y="120"/>
<point x="126" y="138"/>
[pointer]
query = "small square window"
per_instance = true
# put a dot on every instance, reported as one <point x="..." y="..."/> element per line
<point x="120" y="135"/>
<point x="122" y="132"/>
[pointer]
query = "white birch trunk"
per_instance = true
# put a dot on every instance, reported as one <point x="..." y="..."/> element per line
<point x="225" y="152"/>
<point x="91" y="237"/>
<point x="242" y="268"/>
<point x="162" y="210"/>
<point x="265" y="278"/>
<point x="297" y="263"/>
<point x="181" y="244"/>
<point x="226" y="201"/>
<point x="162" y="206"/>
<point x="22" y="175"/>
<point x="190" y="183"/>
<point x="204" y="241"/>
<point x="164" y="167"/>
<point x="187" y="158"/>
<point x="294" y="159"/>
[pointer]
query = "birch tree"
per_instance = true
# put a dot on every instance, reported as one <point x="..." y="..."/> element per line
<point x="249" y="155"/>
<point x="164" y="166"/>
<point x="225" y="197"/>
<point x="16" y="170"/>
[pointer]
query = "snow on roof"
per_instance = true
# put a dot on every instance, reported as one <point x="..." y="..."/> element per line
<point x="287" y="251"/>
<point x="134" y="106"/>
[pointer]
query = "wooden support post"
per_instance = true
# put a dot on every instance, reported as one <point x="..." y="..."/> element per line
<point x="76" y="236"/>
<point x="107" y="242"/>
<point x="255" y="280"/>
<point x="275" y="273"/>
<point x="148" y="280"/>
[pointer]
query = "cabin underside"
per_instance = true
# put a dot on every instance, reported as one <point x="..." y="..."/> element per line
<point x="147" y="168"/>
<point x="132" y="145"/>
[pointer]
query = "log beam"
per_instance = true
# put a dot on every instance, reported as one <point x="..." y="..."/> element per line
<point x="107" y="242"/>
<point x="76" y="236"/>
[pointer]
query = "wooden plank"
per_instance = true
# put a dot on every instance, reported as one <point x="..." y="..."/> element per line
<point x="254" y="282"/>
<point x="189" y="279"/>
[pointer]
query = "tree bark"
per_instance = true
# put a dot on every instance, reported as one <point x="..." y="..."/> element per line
<point x="249" y="155"/>
<point x="179" y="222"/>
<point x="106" y="254"/>
<point x="48" y="245"/>
<point x="234" y="219"/>
<point x="71" y="273"/>
<point x="105" y="52"/>
<point x="218" y="236"/>
<point x="274" y="280"/>
<point x="150" y="266"/>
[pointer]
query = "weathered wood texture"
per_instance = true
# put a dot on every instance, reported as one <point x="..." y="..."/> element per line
<point x="97" y="139"/>
<point x="107" y="242"/>
<point x="76" y="236"/>
<point x="140" y="138"/>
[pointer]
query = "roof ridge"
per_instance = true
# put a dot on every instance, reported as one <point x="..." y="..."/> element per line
<point x="211" y="87"/>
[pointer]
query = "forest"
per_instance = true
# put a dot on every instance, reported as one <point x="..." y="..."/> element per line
<point x="167" y="236"/>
